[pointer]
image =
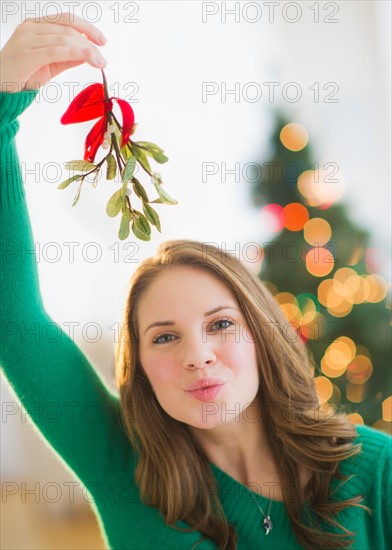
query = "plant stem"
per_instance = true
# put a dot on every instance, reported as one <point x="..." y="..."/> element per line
<point x="97" y="167"/>
<point x="130" y="146"/>
<point x="105" y="85"/>
<point x="110" y="117"/>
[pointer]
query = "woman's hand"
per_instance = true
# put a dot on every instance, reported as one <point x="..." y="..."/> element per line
<point x="39" y="50"/>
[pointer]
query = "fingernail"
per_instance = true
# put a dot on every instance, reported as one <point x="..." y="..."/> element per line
<point x="101" y="61"/>
<point x="101" y="38"/>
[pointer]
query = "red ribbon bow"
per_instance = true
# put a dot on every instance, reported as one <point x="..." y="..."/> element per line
<point x="91" y="104"/>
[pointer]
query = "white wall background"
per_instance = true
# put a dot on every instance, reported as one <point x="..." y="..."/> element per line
<point x="169" y="52"/>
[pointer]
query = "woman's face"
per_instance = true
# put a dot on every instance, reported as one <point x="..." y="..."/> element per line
<point x="196" y="343"/>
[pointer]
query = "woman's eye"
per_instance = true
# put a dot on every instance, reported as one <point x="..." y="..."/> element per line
<point x="223" y="321"/>
<point x="158" y="339"/>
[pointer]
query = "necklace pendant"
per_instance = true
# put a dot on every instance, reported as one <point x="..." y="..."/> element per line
<point x="267" y="524"/>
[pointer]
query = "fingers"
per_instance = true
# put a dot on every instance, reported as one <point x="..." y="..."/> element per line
<point x="61" y="54"/>
<point x="73" y="21"/>
<point x="39" y="49"/>
<point x="53" y="41"/>
<point x="78" y="46"/>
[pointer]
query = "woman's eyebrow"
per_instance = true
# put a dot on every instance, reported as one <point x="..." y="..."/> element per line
<point x="171" y="323"/>
<point x="218" y="308"/>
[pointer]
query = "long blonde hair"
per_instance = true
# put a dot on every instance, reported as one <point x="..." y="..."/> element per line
<point x="173" y="473"/>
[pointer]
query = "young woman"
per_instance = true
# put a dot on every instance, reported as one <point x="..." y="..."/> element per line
<point x="217" y="439"/>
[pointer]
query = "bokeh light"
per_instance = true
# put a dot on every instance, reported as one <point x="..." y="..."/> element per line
<point x="383" y="425"/>
<point x="309" y="306"/>
<point x="319" y="261"/>
<point x="324" y="388"/>
<point x="338" y="356"/>
<point x="286" y="297"/>
<point x="294" y="136"/>
<point x="344" y="273"/>
<point x="315" y="329"/>
<point x="377" y="288"/>
<point x="359" y="370"/>
<point x="295" y="216"/>
<point x="317" y="231"/>
<point x="355" y="392"/>
<point x="356" y="255"/>
<point x="319" y="188"/>
<point x="323" y="291"/>
<point x="303" y="313"/>
<point x="347" y="288"/>
<point x="355" y="418"/>
<point x="387" y="409"/>
<point x="271" y="287"/>
<point x="375" y="259"/>
<point x="272" y="217"/>
<point x="336" y="395"/>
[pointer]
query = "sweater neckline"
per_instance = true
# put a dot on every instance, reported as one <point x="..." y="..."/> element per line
<point x="226" y="480"/>
<point x="238" y="502"/>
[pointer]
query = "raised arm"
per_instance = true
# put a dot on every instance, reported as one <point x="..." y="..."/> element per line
<point x="53" y="379"/>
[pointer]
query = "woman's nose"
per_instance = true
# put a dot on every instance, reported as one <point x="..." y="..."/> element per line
<point x="198" y="355"/>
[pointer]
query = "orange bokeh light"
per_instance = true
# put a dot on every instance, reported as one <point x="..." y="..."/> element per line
<point x="337" y="356"/>
<point x="383" y="425"/>
<point x="359" y="370"/>
<point x="355" y="392"/>
<point x="319" y="261"/>
<point x="355" y="418"/>
<point x="324" y="388"/>
<point x="294" y="136"/>
<point x="323" y="291"/>
<point x="317" y="231"/>
<point x="377" y="288"/>
<point x="286" y="297"/>
<point x="387" y="409"/>
<point x="295" y="216"/>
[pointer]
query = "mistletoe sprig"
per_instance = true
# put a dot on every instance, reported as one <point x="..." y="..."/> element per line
<point x="123" y="155"/>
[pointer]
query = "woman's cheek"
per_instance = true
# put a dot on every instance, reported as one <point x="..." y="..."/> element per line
<point x="235" y="346"/>
<point x="162" y="372"/>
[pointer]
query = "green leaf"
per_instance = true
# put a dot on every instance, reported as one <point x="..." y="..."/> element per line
<point x="152" y="215"/>
<point x="166" y="198"/>
<point x="158" y="201"/>
<point x="153" y="150"/>
<point x="124" y="190"/>
<point x="126" y="152"/>
<point x="97" y="173"/>
<point x="142" y="159"/>
<point x="80" y="165"/>
<point x="77" y="194"/>
<point x="111" y="169"/>
<point x="149" y="146"/>
<point x="114" y="204"/>
<point x="124" y="225"/>
<point x="129" y="169"/>
<point x="139" y="190"/>
<point x="139" y="234"/>
<point x="141" y="223"/>
<point x="157" y="177"/>
<point x="160" y="157"/>
<point x="68" y="181"/>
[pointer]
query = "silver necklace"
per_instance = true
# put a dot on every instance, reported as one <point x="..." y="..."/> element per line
<point x="267" y="523"/>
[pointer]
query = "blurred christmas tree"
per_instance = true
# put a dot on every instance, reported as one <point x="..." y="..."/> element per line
<point x="323" y="275"/>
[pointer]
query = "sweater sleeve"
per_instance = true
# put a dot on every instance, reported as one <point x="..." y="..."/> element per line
<point x="370" y="474"/>
<point x="56" y="384"/>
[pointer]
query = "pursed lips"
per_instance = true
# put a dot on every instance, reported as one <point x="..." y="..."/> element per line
<point x="204" y="383"/>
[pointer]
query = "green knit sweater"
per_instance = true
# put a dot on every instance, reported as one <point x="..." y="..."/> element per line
<point x="44" y="368"/>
